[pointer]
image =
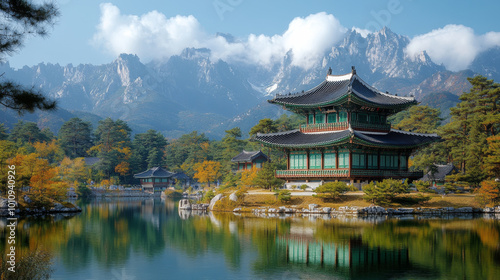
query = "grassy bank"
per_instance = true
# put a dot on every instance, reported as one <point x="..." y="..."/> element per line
<point x="261" y="198"/>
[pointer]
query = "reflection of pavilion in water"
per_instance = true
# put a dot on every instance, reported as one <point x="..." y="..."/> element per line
<point x="351" y="253"/>
<point x="302" y="247"/>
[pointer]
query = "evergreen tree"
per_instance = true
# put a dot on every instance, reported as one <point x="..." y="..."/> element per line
<point x="21" y="18"/>
<point x="148" y="150"/>
<point x="27" y="132"/>
<point x="75" y="137"/>
<point x="112" y="145"/>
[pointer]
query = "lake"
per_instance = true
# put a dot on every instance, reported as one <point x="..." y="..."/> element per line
<point x="118" y="239"/>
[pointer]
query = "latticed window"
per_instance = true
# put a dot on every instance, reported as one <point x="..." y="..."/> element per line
<point x="330" y="160"/>
<point x="372" y="161"/>
<point x="389" y="161"/>
<point x="320" y="118"/>
<point x="332" y="118"/>
<point x="374" y="119"/>
<point x="358" y="160"/>
<point x="343" y="159"/>
<point x="315" y="160"/>
<point x="311" y="119"/>
<point x="363" y="118"/>
<point x="298" y="160"/>
<point x="403" y="162"/>
<point x="343" y="117"/>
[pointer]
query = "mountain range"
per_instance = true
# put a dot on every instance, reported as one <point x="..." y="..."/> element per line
<point x="191" y="91"/>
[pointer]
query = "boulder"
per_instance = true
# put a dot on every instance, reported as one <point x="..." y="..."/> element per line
<point x="312" y="206"/>
<point x="214" y="200"/>
<point x="327" y="210"/>
<point x="233" y="197"/>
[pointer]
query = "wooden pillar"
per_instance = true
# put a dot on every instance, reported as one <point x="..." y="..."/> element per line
<point x="322" y="159"/>
<point x="307" y="160"/>
<point x="336" y="158"/>
<point x="288" y="159"/>
<point x="350" y="162"/>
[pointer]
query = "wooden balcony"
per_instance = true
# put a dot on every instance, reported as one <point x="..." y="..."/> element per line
<point x="312" y="173"/>
<point x="320" y="127"/>
<point x="336" y="173"/>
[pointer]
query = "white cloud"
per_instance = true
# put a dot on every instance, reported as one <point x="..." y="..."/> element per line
<point x="454" y="46"/>
<point x="363" y="32"/>
<point x="154" y="36"/>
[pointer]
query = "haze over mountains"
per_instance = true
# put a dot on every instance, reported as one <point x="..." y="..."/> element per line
<point x="193" y="92"/>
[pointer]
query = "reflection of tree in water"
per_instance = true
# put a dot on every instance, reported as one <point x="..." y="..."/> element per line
<point x="109" y="233"/>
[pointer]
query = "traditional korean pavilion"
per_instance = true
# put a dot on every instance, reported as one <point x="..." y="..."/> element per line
<point x="347" y="136"/>
<point x="157" y="179"/>
<point x="248" y="159"/>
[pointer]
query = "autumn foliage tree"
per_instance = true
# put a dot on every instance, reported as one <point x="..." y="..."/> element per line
<point x="207" y="171"/>
<point x="489" y="193"/>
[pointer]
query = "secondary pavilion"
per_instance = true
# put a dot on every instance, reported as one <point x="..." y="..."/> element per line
<point x="248" y="159"/>
<point x="347" y="137"/>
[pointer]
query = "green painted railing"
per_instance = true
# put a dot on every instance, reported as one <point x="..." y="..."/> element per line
<point x="312" y="173"/>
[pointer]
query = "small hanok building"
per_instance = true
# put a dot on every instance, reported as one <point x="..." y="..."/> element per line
<point x="156" y="179"/>
<point x="248" y="159"/>
<point x="347" y="136"/>
<point x="437" y="179"/>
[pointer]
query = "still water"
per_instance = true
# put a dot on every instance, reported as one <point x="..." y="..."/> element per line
<point x="150" y="239"/>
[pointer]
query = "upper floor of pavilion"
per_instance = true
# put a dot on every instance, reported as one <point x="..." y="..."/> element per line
<point x="343" y="101"/>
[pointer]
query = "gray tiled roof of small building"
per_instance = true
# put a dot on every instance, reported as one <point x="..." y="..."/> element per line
<point x="247" y="156"/>
<point x="154" y="172"/>
<point x="442" y="172"/>
<point x="329" y="91"/>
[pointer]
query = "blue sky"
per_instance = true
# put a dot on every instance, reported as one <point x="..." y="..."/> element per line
<point x="93" y="32"/>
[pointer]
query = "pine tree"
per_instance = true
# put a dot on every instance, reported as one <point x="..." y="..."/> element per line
<point x="75" y="137"/>
<point x="21" y="18"/>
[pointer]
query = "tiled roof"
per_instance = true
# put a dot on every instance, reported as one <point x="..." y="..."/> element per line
<point x="335" y="88"/>
<point x="397" y="138"/>
<point x="442" y="172"/>
<point x="297" y="139"/>
<point x="248" y="156"/>
<point x="91" y="160"/>
<point x="155" y="172"/>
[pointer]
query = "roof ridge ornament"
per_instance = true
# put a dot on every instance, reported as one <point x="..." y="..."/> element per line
<point x="329" y="71"/>
<point x="353" y="70"/>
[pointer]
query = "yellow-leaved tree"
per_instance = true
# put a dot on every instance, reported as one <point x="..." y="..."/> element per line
<point x="207" y="171"/>
<point x="248" y="176"/>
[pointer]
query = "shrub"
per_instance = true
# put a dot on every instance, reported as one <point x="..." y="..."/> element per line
<point x="424" y="187"/>
<point x="284" y="196"/>
<point x="384" y="192"/>
<point x="304" y="187"/>
<point x="173" y="194"/>
<point x="489" y="193"/>
<point x="208" y="196"/>
<point x="331" y="190"/>
<point x="83" y="191"/>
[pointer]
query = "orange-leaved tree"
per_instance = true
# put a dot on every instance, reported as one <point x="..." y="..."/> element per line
<point x="489" y="193"/>
<point x="207" y="171"/>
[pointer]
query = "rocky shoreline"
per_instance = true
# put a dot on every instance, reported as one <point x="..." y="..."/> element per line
<point x="57" y="208"/>
<point x="371" y="210"/>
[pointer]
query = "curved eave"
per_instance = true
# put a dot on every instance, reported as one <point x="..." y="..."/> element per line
<point x="348" y="97"/>
<point x="329" y="139"/>
<point x="410" y="140"/>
